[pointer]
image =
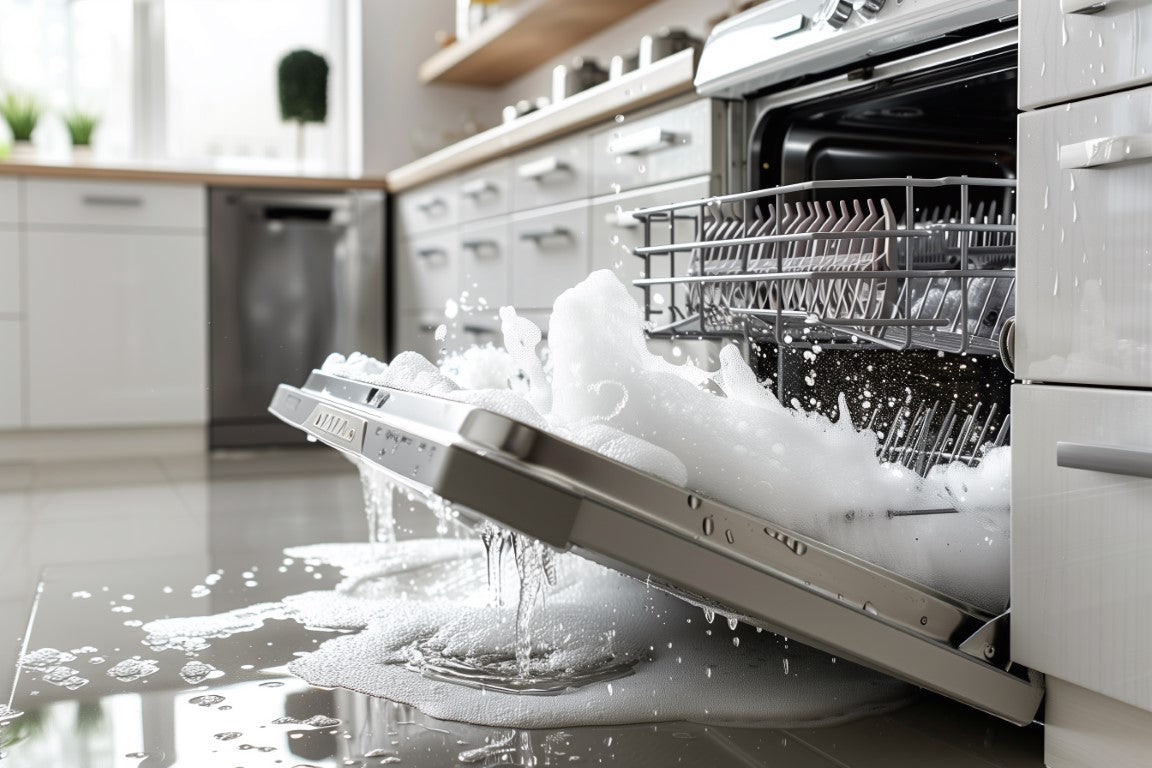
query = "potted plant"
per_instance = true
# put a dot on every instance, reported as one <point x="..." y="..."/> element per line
<point x="21" y="112"/>
<point x="303" y="80"/>
<point x="80" y="127"/>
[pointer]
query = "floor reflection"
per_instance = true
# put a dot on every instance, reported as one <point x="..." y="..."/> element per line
<point x="92" y="552"/>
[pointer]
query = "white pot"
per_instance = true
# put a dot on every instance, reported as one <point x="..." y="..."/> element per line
<point x="82" y="154"/>
<point x="22" y="151"/>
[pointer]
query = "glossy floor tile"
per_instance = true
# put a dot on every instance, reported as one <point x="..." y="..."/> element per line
<point x="90" y="550"/>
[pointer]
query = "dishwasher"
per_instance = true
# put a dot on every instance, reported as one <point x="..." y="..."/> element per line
<point x="293" y="275"/>
<point x="871" y="216"/>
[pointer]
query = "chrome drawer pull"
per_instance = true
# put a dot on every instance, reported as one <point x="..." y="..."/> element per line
<point x="477" y="188"/>
<point x="118" y="201"/>
<point x="430" y="205"/>
<point x="480" y="245"/>
<point x="538" y="235"/>
<point x="1105" y="151"/>
<point x="430" y="253"/>
<point x="640" y="142"/>
<point x="1132" y="462"/>
<point x="545" y="166"/>
<point x="1082" y="7"/>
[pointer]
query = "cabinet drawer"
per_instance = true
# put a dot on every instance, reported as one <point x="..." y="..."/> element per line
<point x="1085" y="273"/>
<point x="549" y="254"/>
<point x="1065" y="55"/>
<point x="485" y="191"/>
<point x="615" y="234"/>
<point x="113" y="204"/>
<point x="416" y="332"/>
<point x="432" y="207"/>
<point x="674" y="144"/>
<point x="1082" y="539"/>
<point x="9" y="201"/>
<point x="11" y="374"/>
<point x="10" y="289"/>
<point x="428" y="272"/>
<point x="117" y="329"/>
<point x="484" y="269"/>
<point x="554" y="173"/>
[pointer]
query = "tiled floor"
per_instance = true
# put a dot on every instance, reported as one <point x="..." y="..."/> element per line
<point x="125" y="526"/>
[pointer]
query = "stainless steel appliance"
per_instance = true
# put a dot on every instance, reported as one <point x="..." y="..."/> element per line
<point x="293" y="276"/>
<point x="876" y="219"/>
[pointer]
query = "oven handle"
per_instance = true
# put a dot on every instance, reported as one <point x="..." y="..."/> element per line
<point x="1112" y="459"/>
<point x="1106" y="151"/>
<point x="642" y="141"/>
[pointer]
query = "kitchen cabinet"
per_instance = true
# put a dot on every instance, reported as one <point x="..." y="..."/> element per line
<point x="101" y="204"/>
<point x="11" y="374"/>
<point x="550" y="250"/>
<point x="485" y="191"/>
<point x="116" y="328"/>
<point x="558" y="172"/>
<point x="9" y="202"/>
<point x="10" y="301"/>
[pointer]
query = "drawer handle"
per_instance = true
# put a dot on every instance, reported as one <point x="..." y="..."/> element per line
<point x="113" y="201"/>
<point x="622" y="220"/>
<point x="430" y="205"/>
<point x="1105" y="151"/>
<point x="539" y="235"/>
<point x="431" y="253"/>
<point x="1132" y="462"/>
<point x="641" y="142"/>
<point x="477" y="188"/>
<point x="1082" y="7"/>
<point x="480" y="245"/>
<point x="478" y="329"/>
<point x="545" y="166"/>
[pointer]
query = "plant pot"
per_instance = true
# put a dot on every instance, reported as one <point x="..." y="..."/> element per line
<point x="22" y="151"/>
<point x="82" y="154"/>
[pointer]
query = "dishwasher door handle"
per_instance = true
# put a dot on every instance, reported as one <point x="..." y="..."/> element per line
<point x="1113" y="459"/>
<point x="1106" y="151"/>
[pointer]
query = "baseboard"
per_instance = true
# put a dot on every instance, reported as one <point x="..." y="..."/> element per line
<point x="1086" y="730"/>
<point x="74" y="444"/>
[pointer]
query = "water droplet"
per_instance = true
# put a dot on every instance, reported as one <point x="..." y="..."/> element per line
<point x="694" y="502"/>
<point x="227" y="735"/>
<point x="210" y="700"/>
<point x="733" y="622"/>
<point x="870" y="609"/>
<point x="709" y="525"/>
<point x="736" y="642"/>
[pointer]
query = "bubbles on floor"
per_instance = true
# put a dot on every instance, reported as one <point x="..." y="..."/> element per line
<point x="207" y="700"/>
<point x="196" y="672"/>
<point x="133" y="669"/>
<point x="316" y="721"/>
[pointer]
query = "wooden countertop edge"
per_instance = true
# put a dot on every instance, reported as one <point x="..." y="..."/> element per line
<point x="662" y="80"/>
<point x="207" y="178"/>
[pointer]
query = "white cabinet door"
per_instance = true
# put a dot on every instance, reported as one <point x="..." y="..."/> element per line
<point x="116" y="329"/>
<point x="11" y="374"/>
<point x="9" y="272"/>
<point x="1082" y="537"/>
<point x="1084" y="293"/>
<point x="85" y="203"/>
<point x="549" y="254"/>
<point x="9" y="201"/>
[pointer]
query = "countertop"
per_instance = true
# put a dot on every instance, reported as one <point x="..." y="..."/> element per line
<point x="181" y="175"/>
<point x="661" y="80"/>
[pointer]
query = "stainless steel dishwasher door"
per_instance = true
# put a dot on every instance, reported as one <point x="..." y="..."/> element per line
<point x="294" y="276"/>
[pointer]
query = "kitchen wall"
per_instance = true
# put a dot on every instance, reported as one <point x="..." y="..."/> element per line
<point x="691" y="15"/>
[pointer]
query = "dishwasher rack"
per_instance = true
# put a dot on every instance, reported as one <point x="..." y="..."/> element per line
<point x="832" y="263"/>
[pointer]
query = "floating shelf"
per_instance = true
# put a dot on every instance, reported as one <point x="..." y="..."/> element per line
<point x="520" y="38"/>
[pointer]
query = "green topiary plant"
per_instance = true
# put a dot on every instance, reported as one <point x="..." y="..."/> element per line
<point x="80" y="127"/>
<point x="303" y="80"/>
<point x="21" y="112"/>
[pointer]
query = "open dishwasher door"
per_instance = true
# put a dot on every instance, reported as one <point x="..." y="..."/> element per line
<point x="575" y="499"/>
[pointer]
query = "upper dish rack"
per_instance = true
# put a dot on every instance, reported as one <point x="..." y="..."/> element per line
<point x="896" y="263"/>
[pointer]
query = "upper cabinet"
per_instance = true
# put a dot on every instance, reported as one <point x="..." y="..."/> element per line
<point x="521" y="38"/>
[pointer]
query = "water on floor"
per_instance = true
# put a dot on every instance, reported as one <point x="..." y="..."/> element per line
<point x="92" y="551"/>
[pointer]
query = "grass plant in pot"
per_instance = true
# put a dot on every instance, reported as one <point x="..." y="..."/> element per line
<point x="80" y="127"/>
<point x="21" y="113"/>
<point x="303" y="83"/>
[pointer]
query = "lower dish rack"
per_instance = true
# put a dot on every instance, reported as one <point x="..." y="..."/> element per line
<point x="895" y="263"/>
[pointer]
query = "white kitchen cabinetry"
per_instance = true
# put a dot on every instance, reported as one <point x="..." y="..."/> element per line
<point x="428" y="271"/>
<point x="10" y="301"/>
<point x="1070" y="49"/>
<point x="550" y="251"/>
<point x="1084" y="294"/>
<point x="486" y="191"/>
<point x="11" y="374"/>
<point x="116" y="329"/>
<point x="1082" y="537"/>
<point x="100" y="204"/>
<point x="9" y="202"/>
<point x="557" y="172"/>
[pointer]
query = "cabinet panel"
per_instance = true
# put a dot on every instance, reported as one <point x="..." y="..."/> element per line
<point x="10" y="286"/>
<point x="674" y="144"/>
<point x="615" y="234"/>
<point x="11" y="374"/>
<point x="1085" y="250"/>
<point x="1082" y="538"/>
<point x="1067" y="54"/>
<point x="52" y="202"/>
<point x="485" y="191"/>
<point x="549" y="254"/>
<point x="428" y="271"/>
<point x="431" y="207"/>
<point x="557" y="172"/>
<point x="9" y="200"/>
<point x="116" y="329"/>
<point x="484" y="268"/>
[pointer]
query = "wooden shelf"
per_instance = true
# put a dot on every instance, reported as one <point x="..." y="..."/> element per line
<point x="520" y="38"/>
